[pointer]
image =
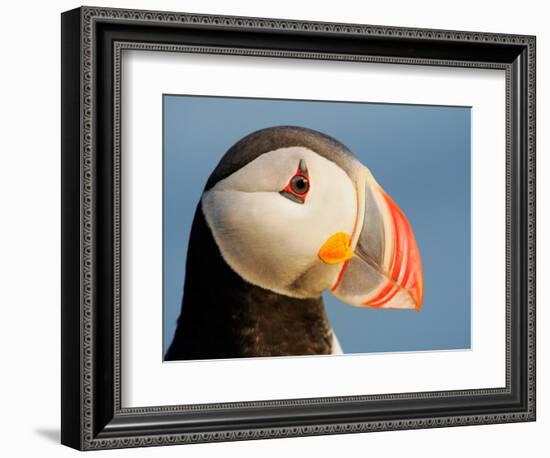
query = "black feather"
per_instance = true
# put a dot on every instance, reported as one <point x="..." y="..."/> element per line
<point x="223" y="316"/>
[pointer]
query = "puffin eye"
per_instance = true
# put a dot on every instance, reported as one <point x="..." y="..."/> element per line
<point x="298" y="186"/>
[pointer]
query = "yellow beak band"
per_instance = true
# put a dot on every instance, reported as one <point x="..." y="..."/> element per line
<point x="336" y="249"/>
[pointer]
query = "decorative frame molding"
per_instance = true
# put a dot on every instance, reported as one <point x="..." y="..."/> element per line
<point x="92" y="40"/>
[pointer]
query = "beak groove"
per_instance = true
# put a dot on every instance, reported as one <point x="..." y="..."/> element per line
<point x="406" y="268"/>
<point x="386" y="270"/>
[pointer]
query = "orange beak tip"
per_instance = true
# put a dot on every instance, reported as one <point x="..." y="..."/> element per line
<point x="418" y="306"/>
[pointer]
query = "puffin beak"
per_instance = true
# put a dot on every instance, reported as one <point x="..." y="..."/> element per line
<point x="381" y="264"/>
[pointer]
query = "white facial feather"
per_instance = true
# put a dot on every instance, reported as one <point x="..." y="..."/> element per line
<point x="272" y="241"/>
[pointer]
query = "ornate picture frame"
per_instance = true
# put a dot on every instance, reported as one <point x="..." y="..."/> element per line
<point x="93" y="415"/>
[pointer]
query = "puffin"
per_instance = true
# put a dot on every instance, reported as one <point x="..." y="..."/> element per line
<point x="288" y="213"/>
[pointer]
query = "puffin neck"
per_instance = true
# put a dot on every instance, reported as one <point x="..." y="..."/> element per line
<point x="224" y="316"/>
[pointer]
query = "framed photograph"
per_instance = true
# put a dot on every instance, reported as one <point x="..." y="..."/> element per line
<point x="277" y="228"/>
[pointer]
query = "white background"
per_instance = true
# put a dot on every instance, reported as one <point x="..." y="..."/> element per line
<point x="146" y="77"/>
<point x="30" y="214"/>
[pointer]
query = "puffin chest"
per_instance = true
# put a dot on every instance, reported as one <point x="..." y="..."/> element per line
<point x="275" y="325"/>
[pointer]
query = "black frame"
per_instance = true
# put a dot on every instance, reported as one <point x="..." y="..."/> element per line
<point x="92" y="42"/>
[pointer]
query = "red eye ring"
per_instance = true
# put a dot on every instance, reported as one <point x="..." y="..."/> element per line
<point x="299" y="185"/>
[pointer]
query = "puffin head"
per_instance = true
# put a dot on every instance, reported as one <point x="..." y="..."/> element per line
<point x="294" y="212"/>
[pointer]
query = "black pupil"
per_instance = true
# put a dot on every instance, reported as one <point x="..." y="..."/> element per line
<point x="299" y="184"/>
